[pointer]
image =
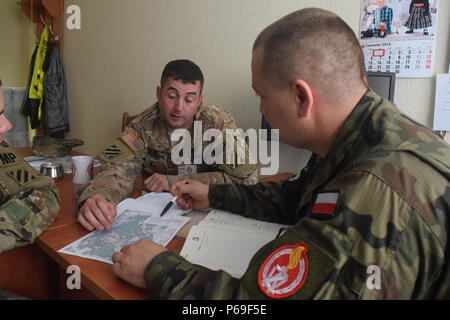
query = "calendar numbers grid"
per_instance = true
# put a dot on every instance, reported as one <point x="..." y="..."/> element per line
<point x="404" y="58"/>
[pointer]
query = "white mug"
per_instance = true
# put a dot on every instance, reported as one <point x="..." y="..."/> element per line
<point x="82" y="169"/>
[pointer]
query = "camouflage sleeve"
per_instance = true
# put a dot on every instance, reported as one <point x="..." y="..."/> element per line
<point x="170" y="276"/>
<point x="248" y="176"/>
<point x="364" y="247"/>
<point x="242" y="166"/>
<point x="267" y="201"/>
<point x="121" y="165"/>
<point x="244" y="170"/>
<point x="26" y="215"/>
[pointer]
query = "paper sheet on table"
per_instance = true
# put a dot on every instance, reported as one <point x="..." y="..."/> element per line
<point x="221" y="249"/>
<point x="135" y="220"/>
<point x="227" y="241"/>
<point x="442" y="103"/>
<point x="159" y="200"/>
<point x="227" y="220"/>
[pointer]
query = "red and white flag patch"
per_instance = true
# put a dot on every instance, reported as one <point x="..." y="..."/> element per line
<point x="326" y="204"/>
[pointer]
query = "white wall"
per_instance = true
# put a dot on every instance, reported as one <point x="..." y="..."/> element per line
<point x="114" y="62"/>
<point x="16" y="44"/>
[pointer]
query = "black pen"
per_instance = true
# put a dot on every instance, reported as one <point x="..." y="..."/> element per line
<point x="169" y="205"/>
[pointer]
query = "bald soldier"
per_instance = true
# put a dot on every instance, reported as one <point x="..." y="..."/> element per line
<point x="146" y="143"/>
<point x="369" y="213"/>
<point x="29" y="202"/>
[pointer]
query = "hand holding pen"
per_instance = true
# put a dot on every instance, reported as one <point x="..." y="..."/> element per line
<point x="191" y="194"/>
<point x="168" y="206"/>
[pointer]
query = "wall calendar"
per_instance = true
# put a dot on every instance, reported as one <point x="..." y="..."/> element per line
<point x="399" y="36"/>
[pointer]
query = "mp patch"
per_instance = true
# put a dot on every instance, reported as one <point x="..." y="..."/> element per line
<point x="284" y="272"/>
<point x="8" y="158"/>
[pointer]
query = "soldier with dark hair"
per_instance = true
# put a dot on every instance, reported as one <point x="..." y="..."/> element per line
<point x="369" y="213"/>
<point x="146" y="144"/>
<point x="29" y="202"/>
<point x="184" y="70"/>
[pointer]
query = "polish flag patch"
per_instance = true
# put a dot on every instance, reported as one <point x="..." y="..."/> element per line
<point x="326" y="204"/>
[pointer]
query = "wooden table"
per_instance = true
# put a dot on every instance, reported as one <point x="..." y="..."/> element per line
<point x="38" y="271"/>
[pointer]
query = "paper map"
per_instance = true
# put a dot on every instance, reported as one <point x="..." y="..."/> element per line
<point x="132" y="224"/>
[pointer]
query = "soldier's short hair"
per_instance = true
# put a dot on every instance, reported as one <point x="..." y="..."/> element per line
<point x="184" y="70"/>
<point x="1" y="83"/>
<point x="316" y="46"/>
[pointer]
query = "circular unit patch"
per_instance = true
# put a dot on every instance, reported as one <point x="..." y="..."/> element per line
<point x="284" y="272"/>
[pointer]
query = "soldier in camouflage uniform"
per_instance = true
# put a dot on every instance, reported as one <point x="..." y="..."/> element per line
<point x="146" y="144"/>
<point x="369" y="213"/>
<point x="29" y="202"/>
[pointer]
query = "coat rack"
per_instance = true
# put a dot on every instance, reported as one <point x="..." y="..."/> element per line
<point x="45" y="12"/>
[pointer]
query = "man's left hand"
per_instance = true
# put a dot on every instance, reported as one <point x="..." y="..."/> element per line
<point x="157" y="183"/>
<point x="130" y="263"/>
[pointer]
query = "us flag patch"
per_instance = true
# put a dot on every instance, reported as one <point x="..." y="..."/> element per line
<point x="22" y="176"/>
<point x="325" y="205"/>
<point x="132" y="142"/>
<point x="112" y="152"/>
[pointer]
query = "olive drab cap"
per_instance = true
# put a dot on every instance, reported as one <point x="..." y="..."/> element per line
<point x="53" y="147"/>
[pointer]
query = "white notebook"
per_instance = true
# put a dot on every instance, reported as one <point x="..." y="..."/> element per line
<point x="227" y="241"/>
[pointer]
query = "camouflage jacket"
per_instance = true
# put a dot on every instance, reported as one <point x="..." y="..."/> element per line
<point x="153" y="149"/>
<point x="29" y="202"/>
<point x="370" y="221"/>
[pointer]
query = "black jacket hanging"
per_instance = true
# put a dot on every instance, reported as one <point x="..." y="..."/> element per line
<point x="55" y="107"/>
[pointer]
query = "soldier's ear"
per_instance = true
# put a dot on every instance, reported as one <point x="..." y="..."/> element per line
<point x="304" y="98"/>
<point x="158" y="93"/>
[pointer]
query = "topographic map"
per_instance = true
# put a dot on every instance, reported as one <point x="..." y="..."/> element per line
<point x="130" y="226"/>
